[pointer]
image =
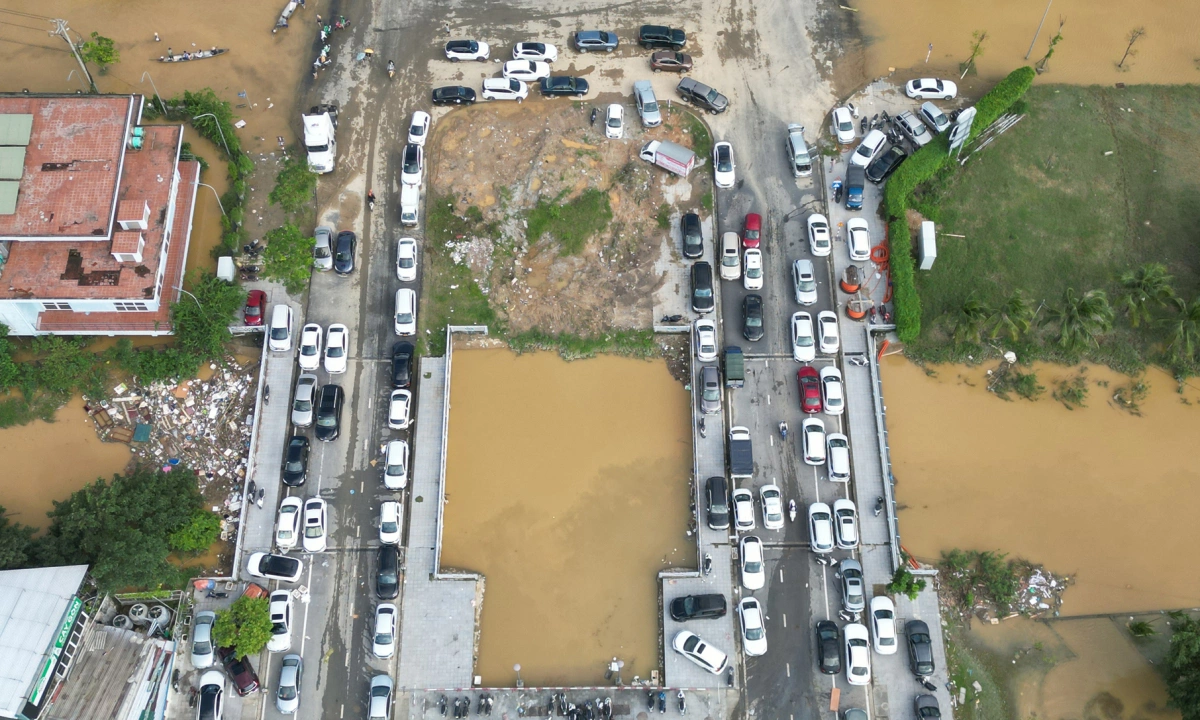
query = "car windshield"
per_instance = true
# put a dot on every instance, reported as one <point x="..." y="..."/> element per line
<point x="302" y="406"/>
<point x="416" y="130"/>
<point x="690" y="644"/>
<point x="279" y="333"/>
<point x="253" y="311"/>
<point x="751" y="234"/>
<point x="326" y="420"/>
<point x="846" y="126"/>
<point x="754" y="271"/>
<point x="887" y="641"/>
<point x="383" y="638"/>
<point x="753" y="321"/>
<point x="803" y="340"/>
<point x="395" y="470"/>
<point x="614" y="121"/>
<point x="856" y="642"/>
<point x="404" y="318"/>
<point x="406" y="262"/>
<point x="202" y="647"/>
<point x="389" y="527"/>
<point x="724" y="162"/>
<point x="317" y="148"/>
<point x="837" y="443"/>
<point x="287" y="692"/>
<point x="308" y="350"/>
<point x="753" y="567"/>
<point x="807" y="285"/>
<point x="755" y="633"/>
<point x="387" y="578"/>
<point x="335" y="351"/>
<point x="712" y="393"/>
<point x="313" y="531"/>
<point x="730" y="260"/>
<point x="712" y="96"/>
<point x="321" y="251"/>
<point x="343" y="255"/>
<point x="294" y="466"/>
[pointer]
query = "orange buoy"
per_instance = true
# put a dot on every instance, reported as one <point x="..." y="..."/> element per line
<point x="855" y="314"/>
<point x="851" y="281"/>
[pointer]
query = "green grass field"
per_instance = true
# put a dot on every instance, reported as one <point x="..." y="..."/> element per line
<point x="1043" y="209"/>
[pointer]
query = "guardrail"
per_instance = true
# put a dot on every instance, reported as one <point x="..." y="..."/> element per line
<point x="885" y="460"/>
<point x="234" y="573"/>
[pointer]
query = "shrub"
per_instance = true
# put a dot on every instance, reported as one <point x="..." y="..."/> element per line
<point x="1002" y="97"/>
<point x="200" y="532"/>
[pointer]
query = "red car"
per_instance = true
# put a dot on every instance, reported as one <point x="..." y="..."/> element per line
<point x="256" y="307"/>
<point x="245" y="680"/>
<point x="810" y="389"/>
<point x="751" y="230"/>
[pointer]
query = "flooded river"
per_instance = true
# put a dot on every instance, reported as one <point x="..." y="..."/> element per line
<point x="568" y="490"/>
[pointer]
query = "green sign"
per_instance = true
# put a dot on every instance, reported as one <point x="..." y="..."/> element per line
<point x="60" y="642"/>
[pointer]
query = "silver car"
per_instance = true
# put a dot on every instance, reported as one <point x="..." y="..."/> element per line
<point x="710" y="390"/>
<point x="202" y="644"/>
<point x="853" y="586"/>
<point x="302" y="403"/>
<point x="287" y="698"/>
<point x="647" y="104"/>
<point x="380" y="706"/>
<point x="323" y="250"/>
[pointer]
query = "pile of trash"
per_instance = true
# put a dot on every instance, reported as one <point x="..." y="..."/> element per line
<point x="1041" y="592"/>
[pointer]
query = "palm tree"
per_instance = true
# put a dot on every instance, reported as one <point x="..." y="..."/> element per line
<point x="1081" y="318"/>
<point x="970" y="322"/>
<point x="1184" y="329"/>
<point x="1013" y="317"/>
<point x="1148" y="285"/>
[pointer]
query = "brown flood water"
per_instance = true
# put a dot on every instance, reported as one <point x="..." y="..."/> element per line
<point x="1095" y="493"/>
<point x="1094" y="38"/>
<point x="568" y="490"/>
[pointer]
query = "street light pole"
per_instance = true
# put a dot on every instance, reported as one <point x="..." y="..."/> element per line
<point x="520" y="682"/>
<point x="157" y="97"/>
<point x="64" y="32"/>
<point x="219" y="130"/>
<point x="210" y="187"/>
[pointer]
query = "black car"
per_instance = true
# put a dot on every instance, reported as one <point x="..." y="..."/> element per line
<point x="697" y="607"/>
<point x="927" y="707"/>
<point x="453" y="95"/>
<point x="653" y="37"/>
<point x="329" y="413"/>
<point x="558" y="85"/>
<point x="752" y="317"/>
<point x="829" y="656"/>
<point x="920" y="648"/>
<point x="343" y="252"/>
<point x="295" y="461"/>
<point x="402" y="359"/>
<point x="700" y="94"/>
<point x="693" y="240"/>
<point x="387" y="578"/>
<point x="885" y="164"/>
<point x="716" y="499"/>
<point x="703" y="300"/>
<point x="239" y="669"/>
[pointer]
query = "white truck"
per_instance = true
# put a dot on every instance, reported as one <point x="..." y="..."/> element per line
<point x="410" y="200"/>
<point x="319" y="137"/>
<point x="669" y="156"/>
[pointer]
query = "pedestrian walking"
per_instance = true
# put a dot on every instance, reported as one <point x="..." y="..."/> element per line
<point x="928" y="53"/>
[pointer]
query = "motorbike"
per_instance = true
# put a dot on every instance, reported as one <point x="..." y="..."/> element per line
<point x="729" y="676"/>
<point x="266" y="394"/>
<point x="707" y="564"/>
<point x="391" y="69"/>
<point x="662" y="701"/>
<point x="595" y="112"/>
<point x="862" y="125"/>
<point x="792" y="510"/>
<point x="682" y="703"/>
<point x="251" y="490"/>
<point x="671" y="318"/>
<point x="214" y="595"/>
<point x="262" y="493"/>
<point x="837" y="190"/>
<point x="852" y="108"/>
<point x="342" y="23"/>
<point x="253" y="249"/>
<point x="175" y="680"/>
<point x="878" y="505"/>
<point x="783" y="430"/>
<point x="702" y="429"/>
<point x="371" y="200"/>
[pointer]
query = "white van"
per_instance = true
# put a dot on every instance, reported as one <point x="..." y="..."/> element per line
<point x="395" y="465"/>
<point x="410" y="201"/>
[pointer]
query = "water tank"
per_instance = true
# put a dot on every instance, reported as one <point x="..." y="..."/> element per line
<point x="122" y="621"/>
<point x="139" y="614"/>
<point x="928" y="245"/>
<point x="160" y="616"/>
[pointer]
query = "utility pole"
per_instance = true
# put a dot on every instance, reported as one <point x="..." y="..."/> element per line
<point x="64" y="32"/>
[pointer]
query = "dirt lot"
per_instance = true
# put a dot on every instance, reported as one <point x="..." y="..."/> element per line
<point x="542" y="163"/>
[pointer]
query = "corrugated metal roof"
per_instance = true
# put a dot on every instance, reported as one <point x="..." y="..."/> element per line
<point x="12" y="163"/>
<point x="15" y="128"/>
<point x="32" y="603"/>
<point x="8" y="197"/>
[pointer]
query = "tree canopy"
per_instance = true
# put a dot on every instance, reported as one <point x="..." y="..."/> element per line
<point x="245" y="626"/>
<point x="1182" y="666"/>
<point x="288" y="257"/>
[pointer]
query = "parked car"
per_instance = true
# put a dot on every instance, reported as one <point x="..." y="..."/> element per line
<point x="884" y="165"/>
<point x="772" y="506"/>
<point x="660" y="36"/>
<point x="323" y="249"/>
<point x="754" y="629"/>
<point x="723" y="165"/>
<point x="920" y="648"/>
<point x="804" y="345"/>
<point x="930" y="89"/>
<point x="255" y="308"/>
<point x="692" y="647"/>
<point x="752" y="231"/>
<point x="384" y="642"/>
<point x="588" y="40"/>
<point x="239" y="670"/>
<point x="316" y="531"/>
<point x="812" y="437"/>
<point x="379" y="705"/>
<point x="274" y="567"/>
<point x="295" y="461"/>
<point x="280" y="333"/>
<point x="808" y="381"/>
<point x="337" y="347"/>
<point x="287" y="523"/>
<point x="701" y="95"/>
<point x="504" y="89"/>
<point x="387" y="575"/>
<point x="934" y="118"/>
<point x="395" y="465"/>
<point x="842" y="125"/>
<point x="829" y="654"/>
<point x="913" y="128"/>
<point x="559" y="85"/>
<point x="302" y="401"/>
<point x="820" y="527"/>
<point x="280" y="609"/>
<point x="453" y="95"/>
<point x="344" y="250"/>
<point x="670" y="61"/>
<point x="858" y="654"/>
<point x="883" y="624"/>
<point x="804" y="281"/>
<point x="406" y="312"/>
<point x="390" y="517"/>
<point x="399" y="409"/>
<point x="203" y="654"/>
<point x="535" y="51"/>
<point x="402" y="360"/>
<point x="697" y="607"/>
<point x="716" y="501"/>
<point x="467" y="50"/>
<point x="614" y="121"/>
<point x="750" y="553"/>
<point x="833" y="391"/>
<point x="329" y="413"/>
<point x="731" y="262"/>
<point x="418" y="127"/>
<point x="412" y="167"/>
<point x="287" y="696"/>
<point x="819" y="242"/>
<point x="827" y="326"/>
<point x="693" y="237"/>
<point x="406" y="259"/>
<point x="526" y="70"/>
<point x="752" y="274"/>
<point x="710" y="390"/>
<point x="926" y="707"/>
<point x="647" y="104"/>
<point x="743" y="509"/>
<point x="211" y="698"/>
<point x="799" y="158"/>
<point x="752" y="316"/>
<point x="854" y="599"/>
<point x="309" y="355"/>
<point x="838" y="463"/>
<point x="870" y="146"/>
<point x="705" y="332"/>
<point x="858" y="241"/>
<point x="703" y="299"/>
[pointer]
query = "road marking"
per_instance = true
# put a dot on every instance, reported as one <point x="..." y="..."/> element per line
<point x="768" y="399"/>
<point x="789" y="671"/>
<point x="342" y="712"/>
<point x="785" y="619"/>
<point x="360" y="486"/>
<point x="307" y="605"/>
<point x="780" y="575"/>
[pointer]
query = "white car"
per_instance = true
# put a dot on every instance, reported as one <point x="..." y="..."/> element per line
<point x="858" y="654"/>
<point x="883" y="624"/>
<point x="280" y="332"/>
<point x="412" y="164"/>
<point x="287" y="523"/>
<point x="731" y="262"/>
<point x="705" y="332"/>
<point x="752" y="277"/>
<point x="526" y="70"/>
<point x="833" y="391"/>
<point x="467" y="50"/>
<point x="820" y="528"/>
<point x="614" y="121"/>
<point x="804" y="281"/>
<point x="315" y="525"/>
<point x="723" y="165"/>
<point x="202" y="642"/>
<point x="406" y="259"/>
<point x="692" y="647"/>
<point x="772" y="506"/>
<point x="859" y="236"/>
<point x="812" y="437"/>
<point x="754" y="629"/>
<point x="804" y="345"/>
<point x="395" y="465"/>
<point x="418" y="128"/>
<point x="384" y="643"/>
<point x="280" y="608"/>
<point x="309" y="356"/>
<point x="868" y="148"/>
<point x="754" y="573"/>
<point x="390" y="518"/>
<point x="827" y="325"/>
<point x="504" y="89"/>
<point x="843" y="125"/>
<point x="406" y="312"/>
<point x="837" y="449"/>
<point x="930" y="89"/>
<point x="743" y="509"/>
<point x="845" y="523"/>
<point x="337" y="346"/>
<point x="535" y="51"/>
<point x="819" y="242"/>
<point x="399" y="407"/>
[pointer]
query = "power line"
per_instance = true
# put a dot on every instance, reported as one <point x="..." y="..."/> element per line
<point x="25" y="14"/>
<point x="25" y="27"/>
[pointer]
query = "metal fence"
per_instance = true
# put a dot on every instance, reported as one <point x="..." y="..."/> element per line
<point x="250" y="467"/>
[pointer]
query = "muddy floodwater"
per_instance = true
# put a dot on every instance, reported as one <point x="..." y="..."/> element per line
<point x="567" y="489"/>
<point x="1094" y="38"/>
<point x="1096" y="493"/>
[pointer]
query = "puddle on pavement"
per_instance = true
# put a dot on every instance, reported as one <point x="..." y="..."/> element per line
<point x="266" y="66"/>
<point x="568" y="490"/>
<point x="1094" y="38"/>
<point x="1094" y="493"/>
<point x="44" y="462"/>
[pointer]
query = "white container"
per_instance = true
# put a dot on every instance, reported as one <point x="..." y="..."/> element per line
<point x="928" y="245"/>
<point x="225" y="268"/>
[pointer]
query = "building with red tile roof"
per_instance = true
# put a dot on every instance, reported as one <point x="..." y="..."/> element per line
<point x="95" y="216"/>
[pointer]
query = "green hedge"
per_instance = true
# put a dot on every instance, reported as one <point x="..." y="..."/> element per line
<point x="918" y="169"/>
